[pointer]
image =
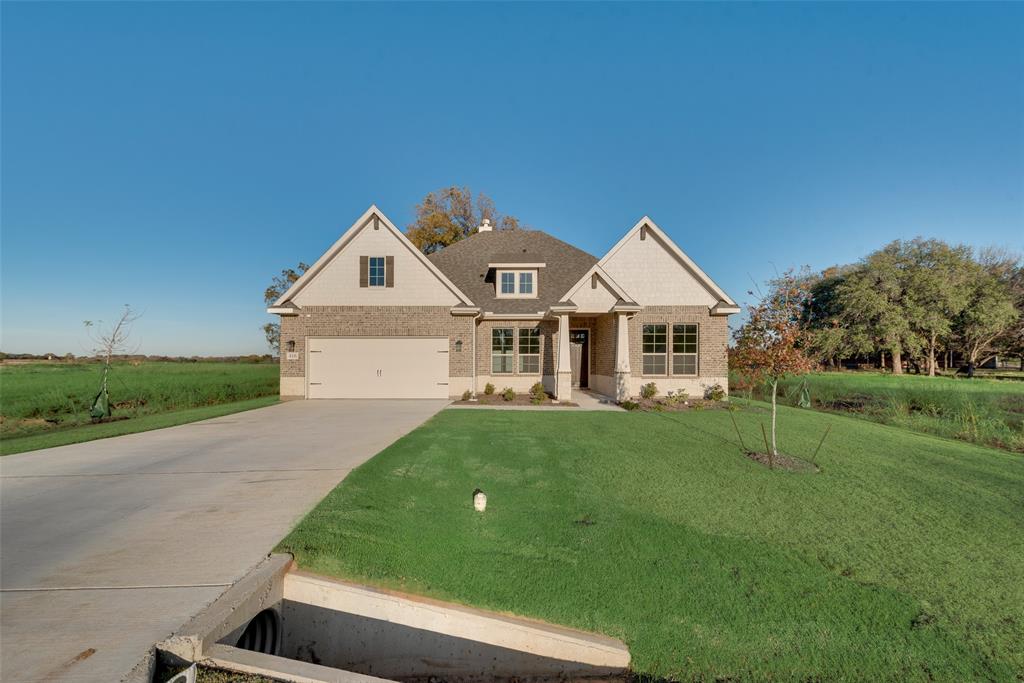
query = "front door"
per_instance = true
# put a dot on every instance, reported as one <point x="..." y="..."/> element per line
<point x="579" y="355"/>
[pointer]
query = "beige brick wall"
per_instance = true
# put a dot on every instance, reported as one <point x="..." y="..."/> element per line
<point x="377" y="321"/>
<point x="548" y="346"/>
<point x="713" y="337"/>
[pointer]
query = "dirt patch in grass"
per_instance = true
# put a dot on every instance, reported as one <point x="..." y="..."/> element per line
<point x="782" y="462"/>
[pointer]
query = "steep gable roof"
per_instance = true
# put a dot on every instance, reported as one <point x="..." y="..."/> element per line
<point x="699" y="275"/>
<point x="466" y="264"/>
<point x="369" y="216"/>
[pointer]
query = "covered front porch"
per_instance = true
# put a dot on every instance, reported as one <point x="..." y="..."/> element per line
<point x="592" y="353"/>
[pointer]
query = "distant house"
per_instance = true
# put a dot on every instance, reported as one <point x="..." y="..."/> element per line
<point x="375" y="318"/>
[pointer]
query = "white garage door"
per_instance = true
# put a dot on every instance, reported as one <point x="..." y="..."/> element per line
<point x="377" y="367"/>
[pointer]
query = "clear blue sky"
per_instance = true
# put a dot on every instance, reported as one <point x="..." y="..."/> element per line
<point x="175" y="156"/>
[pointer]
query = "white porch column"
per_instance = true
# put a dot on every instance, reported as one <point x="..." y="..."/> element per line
<point x="622" y="370"/>
<point x="563" y="385"/>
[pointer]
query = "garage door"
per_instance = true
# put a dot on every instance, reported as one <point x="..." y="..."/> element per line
<point x="378" y="367"/>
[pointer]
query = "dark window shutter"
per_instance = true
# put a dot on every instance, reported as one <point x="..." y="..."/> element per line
<point x="389" y="271"/>
<point x="364" y="271"/>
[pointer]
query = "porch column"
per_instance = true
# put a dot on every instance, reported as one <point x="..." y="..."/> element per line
<point x="563" y="385"/>
<point x="622" y="357"/>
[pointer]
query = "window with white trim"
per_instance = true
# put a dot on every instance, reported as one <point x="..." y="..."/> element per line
<point x="508" y="283"/>
<point x="501" y="350"/>
<point x="655" y="349"/>
<point x="517" y="284"/>
<point x="526" y="282"/>
<point x="529" y="350"/>
<point x="376" y="272"/>
<point x="684" y="349"/>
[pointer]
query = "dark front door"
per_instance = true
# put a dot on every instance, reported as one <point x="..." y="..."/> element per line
<point x="579" y="346"/>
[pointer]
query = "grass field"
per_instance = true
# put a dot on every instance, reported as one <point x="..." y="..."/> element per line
<point x="983" y="411"/>
<point x="47" y="404"/>
<point x="902" y="560"/>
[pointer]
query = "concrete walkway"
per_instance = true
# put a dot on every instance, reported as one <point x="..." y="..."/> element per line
<point x="108" y="547"/>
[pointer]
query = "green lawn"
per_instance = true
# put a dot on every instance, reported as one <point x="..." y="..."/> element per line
<point x="983" y="411"/>
<point x="903" y="560"/>
<point x="143" y="423"/>
<point x="47" y="404"/>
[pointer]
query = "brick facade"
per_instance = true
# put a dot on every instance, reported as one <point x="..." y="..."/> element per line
<point x="548" y="345"/>
<point x="712" y="339"/>
<point x="377" y="321"/>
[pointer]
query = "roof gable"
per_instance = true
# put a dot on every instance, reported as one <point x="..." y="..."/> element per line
<point x="596" y="292"/>
<point x="372" y="218"/>
<point x="665" y="276"/>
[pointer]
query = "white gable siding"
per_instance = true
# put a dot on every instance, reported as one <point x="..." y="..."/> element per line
<point x="648" y="271"/>
<point x="338" y="283"/>
<point x="588" y="300"/>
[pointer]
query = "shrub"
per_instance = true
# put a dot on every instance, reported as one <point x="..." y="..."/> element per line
<point x="629" y="405"/>
<point x="466" y="395"/>
<point x="508" y="394"/>
<point x="675" y="398"/>
<point x="489" y="389"/>
<point x="649" y="390"/>
<point x="698" y="405"/>
<point x="537" y="394"/>
<point x="715" y="393"/>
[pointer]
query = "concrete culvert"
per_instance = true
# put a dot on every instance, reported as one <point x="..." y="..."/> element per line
<point x="262" y="634"/>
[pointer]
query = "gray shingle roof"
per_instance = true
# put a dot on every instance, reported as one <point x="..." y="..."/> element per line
<point x="465" y="264"/>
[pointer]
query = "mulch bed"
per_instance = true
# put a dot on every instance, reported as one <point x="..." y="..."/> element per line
<point x="523" y="399"/>
<point x="663" y="405"/>
<point x="782" y="462"/>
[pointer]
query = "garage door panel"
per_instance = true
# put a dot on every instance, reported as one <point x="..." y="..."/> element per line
<point x="378" y="367"/>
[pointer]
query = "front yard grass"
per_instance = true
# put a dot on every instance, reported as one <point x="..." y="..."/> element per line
<point x="989" y="412"/>
<point x="144" y="423"/>
<point x="902" y="560"/>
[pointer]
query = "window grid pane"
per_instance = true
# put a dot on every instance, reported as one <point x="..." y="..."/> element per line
<point x="501" y="350"/>
<point x="654" y="364"/>
<point x="684" y="364"/>
<point x="529" y="350"/>
<point x="684" y="338"/>
<point x="501" y="340"/>
<point x="654" y="339"/>
<point x="529" y="341"/>
<point x="376" y="271"/>
<point x="508" y="283"/>
<point x="529" y="363"/>
<point x="526" y="283"/>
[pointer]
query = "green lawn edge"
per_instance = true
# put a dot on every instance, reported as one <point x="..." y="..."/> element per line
<point x="867" y="576"/>
<point x="145" y="423"/>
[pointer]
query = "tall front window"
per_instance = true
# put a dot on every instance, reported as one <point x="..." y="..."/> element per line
<point x="684" y="349"/>
<point x="526" y="283"/>
<point x="655" y="349"/>
<point x="501" y="350"/>
<point x="377" y="271"/>
<point x="508" y="283"/>
<point x="529" y="350"/>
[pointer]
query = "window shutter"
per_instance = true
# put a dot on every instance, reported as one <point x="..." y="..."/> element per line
<point x="389" y="271"/>
<point x="364" y="271"/>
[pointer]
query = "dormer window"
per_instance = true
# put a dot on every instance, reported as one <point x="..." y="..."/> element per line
<point x="508" y="283"/>
<point x="517" y="284"/>
<point x="526" y="282"/>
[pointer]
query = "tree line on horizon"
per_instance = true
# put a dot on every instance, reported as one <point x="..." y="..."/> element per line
<point x="912" y="301"/>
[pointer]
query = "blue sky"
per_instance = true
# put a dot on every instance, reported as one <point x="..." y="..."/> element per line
<point x="175" y="156"/>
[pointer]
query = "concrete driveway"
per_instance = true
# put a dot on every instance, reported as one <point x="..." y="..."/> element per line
<point x="108" y="547"/>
